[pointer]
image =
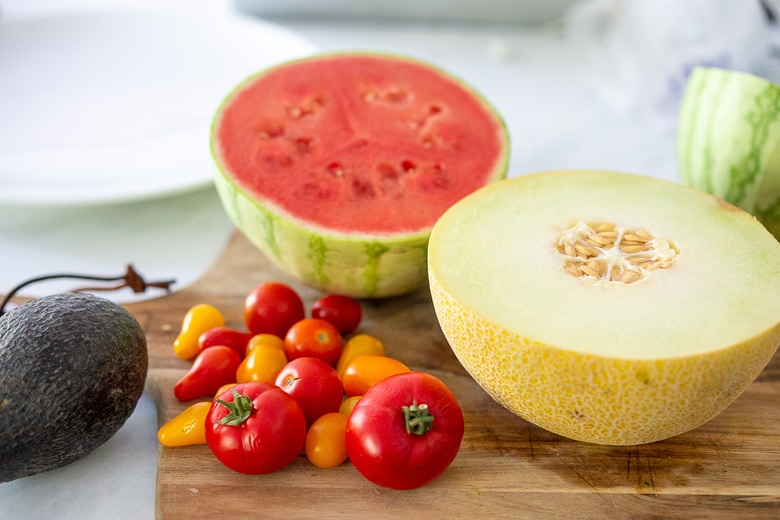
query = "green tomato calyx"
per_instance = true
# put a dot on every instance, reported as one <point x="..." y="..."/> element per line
<point x="240" y="409"/>
<point x="418" y="419"/>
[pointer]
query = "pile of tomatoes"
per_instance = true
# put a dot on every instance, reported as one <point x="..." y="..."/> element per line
<point x="292" y="383"/>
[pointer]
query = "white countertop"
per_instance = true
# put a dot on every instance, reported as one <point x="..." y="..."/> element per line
<point x="560" y="114"/>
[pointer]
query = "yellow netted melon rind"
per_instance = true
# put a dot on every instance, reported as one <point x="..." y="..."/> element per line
<point x="600" y="372"/>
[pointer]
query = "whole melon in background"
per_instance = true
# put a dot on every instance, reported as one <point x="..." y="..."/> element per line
<point x="337" y="166"/>
<point x="606" y="307"/>
<point x="729" y="140"/>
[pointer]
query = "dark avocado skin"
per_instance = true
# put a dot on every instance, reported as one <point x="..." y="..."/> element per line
<point x="72" y="368"/>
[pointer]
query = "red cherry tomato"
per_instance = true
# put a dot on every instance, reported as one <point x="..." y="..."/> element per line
<point x="235" y="339"/>
<point x="314" y="384"/>
<point x="214" y="367"/>
<point x="342" y="311"/>
<point x="272" y="308"/>
<point x="313" y="338"/>
<point x="405" y="431"/>
<point x="255" y="428"/>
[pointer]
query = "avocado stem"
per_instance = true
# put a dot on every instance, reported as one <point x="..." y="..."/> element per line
<point x="130" y="279"/>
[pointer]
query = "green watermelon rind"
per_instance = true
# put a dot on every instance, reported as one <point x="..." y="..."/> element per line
<point x="728" y="140"/>
<point x="371" y="266"/>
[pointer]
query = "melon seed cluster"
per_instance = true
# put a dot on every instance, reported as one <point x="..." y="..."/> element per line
<point x="602" y="251"/>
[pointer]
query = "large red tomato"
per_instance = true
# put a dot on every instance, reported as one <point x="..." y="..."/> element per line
<point x="255" y="428"/>
<point x="272" y="308"/>
<point x="405" y="431"/>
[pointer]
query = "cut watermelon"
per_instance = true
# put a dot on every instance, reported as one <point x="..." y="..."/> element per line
<point x="337" y="166"/>
<point x="729" y="140"/>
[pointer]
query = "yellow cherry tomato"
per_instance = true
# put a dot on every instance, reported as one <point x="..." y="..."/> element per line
<point x="223" y="388"/>
<point x="325" y="444"/>
<point x="199" y="319"/>
<point x="261" y="364"/>
<point x="363" y="372"/>
<point x="359" y="345"/>
<point x="187" y="428"/>
<point x="348" y="404"/>
<point x="264" y="340"/>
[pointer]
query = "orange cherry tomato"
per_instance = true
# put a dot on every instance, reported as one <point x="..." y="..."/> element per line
<point x="365" y="371"/>
<point x="359" y="345"/>
<point x="264" y="340"/>
<point x="348" y="404"/>
<point x="312" y="337"/>
<point x="325" y="444"/>
<point x="261" y="364"/>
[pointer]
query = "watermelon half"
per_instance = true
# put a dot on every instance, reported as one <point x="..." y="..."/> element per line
<point x="729" y="140"/>
<point x="337" y="166"/>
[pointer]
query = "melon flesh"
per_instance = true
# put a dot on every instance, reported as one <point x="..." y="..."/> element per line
<point x="599" y="359"/>
<point x="337" y="166"/>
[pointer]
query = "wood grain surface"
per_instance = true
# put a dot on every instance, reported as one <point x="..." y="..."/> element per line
<point x="506" y="468"/>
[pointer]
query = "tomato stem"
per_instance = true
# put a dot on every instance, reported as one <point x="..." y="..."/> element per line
<point x="240" y="409"/>
<point x="418" y="419"/>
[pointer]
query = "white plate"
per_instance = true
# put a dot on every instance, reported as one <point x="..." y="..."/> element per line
<point x="117" y="106"/>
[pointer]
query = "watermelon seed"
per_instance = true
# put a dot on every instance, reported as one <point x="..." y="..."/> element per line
<point x="363" y="189"/>
<point x="408" y="166"/>
<point x="271" y="132"/>
<point x="386" y="171"/>
<point x="303" y="144"/>
<point x="396" y="95"/>
<point x="335" y="169"/>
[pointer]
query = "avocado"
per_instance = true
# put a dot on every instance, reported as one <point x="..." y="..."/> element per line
<point x="72" y="368"/>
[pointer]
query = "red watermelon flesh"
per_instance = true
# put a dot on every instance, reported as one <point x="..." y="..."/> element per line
<point x="359" y="143"/>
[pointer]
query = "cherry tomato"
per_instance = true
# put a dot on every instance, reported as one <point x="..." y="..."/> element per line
<point x="348" y="404"/>
<point x="342" y="311"/>
<point x="314" y="385"/>
<point x="405" y="431"/>
<point x="255" y="428"/>
<point x="223" y="389"/>
<point x="272" y="307"/>
<point x="359" y="345"/>
<point x="325" y="444"/>
<point x="198" y="320"/>
<point x="261" y="364"/>
<point x="313" y="338"/>
<point x="187" y="428"/>
<point x="214" y="367"/>
<point x="235" y="339"/>
<point x="265" y="340"/>
<point x="366" y="371"/>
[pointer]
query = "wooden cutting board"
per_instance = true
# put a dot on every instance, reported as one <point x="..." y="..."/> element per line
<point x="728" y="468"/>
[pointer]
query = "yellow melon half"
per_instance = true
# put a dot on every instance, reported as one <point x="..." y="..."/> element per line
<point x="606" y="307"/>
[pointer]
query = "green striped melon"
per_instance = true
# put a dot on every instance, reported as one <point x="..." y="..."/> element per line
<point x="337" y="166"/>
<point x="729" y="140"/>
